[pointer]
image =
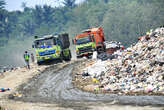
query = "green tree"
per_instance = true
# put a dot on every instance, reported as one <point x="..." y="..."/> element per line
<point x="48" y="14"/>
<point x="38" y="14"/>
<point x="122" y="20"/>
<point x="69" y="3"/>
<point x="2" y="4"/>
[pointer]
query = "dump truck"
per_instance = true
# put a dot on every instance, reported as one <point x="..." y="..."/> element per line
<point x="88" y="41"/>
<point x="52" y="47"/>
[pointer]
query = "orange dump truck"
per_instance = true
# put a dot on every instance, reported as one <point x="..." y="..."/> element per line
<point x="88" y="41"/>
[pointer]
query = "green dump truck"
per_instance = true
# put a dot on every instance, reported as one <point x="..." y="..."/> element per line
<point x="52" y="47"/>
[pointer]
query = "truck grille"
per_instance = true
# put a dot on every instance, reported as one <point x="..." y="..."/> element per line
<point x="85" y="49"/>
<point x="47" y="52"/>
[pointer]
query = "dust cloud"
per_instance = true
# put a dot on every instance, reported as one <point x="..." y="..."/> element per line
<point x="12" y="55"/>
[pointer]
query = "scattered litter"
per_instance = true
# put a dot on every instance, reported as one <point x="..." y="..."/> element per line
<point x="14" y="95"/>
<point x="4" y="90"/>
<point x="135" y="69"/>
<point x="95" y="80"/>
<point x="94" y="56"/>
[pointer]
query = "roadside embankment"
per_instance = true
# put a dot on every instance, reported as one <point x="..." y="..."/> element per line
<point x="12" y="79"/>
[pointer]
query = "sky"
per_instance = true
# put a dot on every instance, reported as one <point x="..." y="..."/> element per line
<point x="12" y="5"/>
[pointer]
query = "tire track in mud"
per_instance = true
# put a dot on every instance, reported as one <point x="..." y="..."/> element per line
<point x="54" y="85"/>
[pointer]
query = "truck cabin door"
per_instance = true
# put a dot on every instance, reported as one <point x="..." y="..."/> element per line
<point x="55" y="41"/>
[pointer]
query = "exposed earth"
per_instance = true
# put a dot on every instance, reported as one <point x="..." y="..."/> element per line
<point x="50" y="87"/>
<point x="53" y="89"/>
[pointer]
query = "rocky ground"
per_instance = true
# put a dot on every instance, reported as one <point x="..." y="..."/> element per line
<point x="12" y="79"/>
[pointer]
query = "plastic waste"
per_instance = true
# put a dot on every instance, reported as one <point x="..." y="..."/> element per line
<point x="4" y="89"/>
<point x="136" y="69"/>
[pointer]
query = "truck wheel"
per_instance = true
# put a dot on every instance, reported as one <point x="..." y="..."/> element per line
<point x="89" y="56"/>
<point x="70" y="54"/>
<point x="100" y="50"/>
<point x="39" y="63"/>
<point x="79" y="57"/>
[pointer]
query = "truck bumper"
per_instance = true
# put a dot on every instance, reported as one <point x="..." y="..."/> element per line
<point x="84" y="54"/>
<point x="48" y="57"/>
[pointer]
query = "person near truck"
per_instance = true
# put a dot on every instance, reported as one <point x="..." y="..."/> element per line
<point x="26" y="58"/>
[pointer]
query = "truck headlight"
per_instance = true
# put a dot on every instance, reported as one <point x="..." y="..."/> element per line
<point x="57" y="52"/>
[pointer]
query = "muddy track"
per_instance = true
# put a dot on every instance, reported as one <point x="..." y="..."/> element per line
<point x="54" y="85"/>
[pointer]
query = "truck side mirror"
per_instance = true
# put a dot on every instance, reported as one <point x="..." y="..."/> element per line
<point x="35" y="37"/>
<point x="33" y="46"/>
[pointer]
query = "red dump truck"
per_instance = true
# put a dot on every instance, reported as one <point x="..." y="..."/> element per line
<point x="88" y="41"/>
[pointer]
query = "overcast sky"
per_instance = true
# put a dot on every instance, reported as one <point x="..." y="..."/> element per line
<point x="16" y="4"/>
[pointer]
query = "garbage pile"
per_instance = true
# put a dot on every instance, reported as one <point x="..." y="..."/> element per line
<point x="112" y="44"/>
<point x="105" y="56"/>
<point x="139" y="68"/>
<point x="111" y="47"/>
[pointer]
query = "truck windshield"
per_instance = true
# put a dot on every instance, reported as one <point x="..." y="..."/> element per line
<point x="43" y="43"/>
<point x="83" y="40"/>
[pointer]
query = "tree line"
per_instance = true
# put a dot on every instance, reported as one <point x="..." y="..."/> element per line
<point x="122" y="20"/>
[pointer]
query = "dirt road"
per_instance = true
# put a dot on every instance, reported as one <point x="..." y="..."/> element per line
<point x="53" y="89"/>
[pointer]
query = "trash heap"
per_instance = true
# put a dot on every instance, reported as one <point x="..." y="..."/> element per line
<point x="111" y="47"/>
<point x="138" y="69"/>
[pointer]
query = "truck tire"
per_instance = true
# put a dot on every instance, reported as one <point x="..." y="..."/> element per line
<point x="39" y="63"/>
<point x="89" y="56"/>
<point x="100" y="50"/>
<point x="70" y="55"/>
<point x="79" y="57"/>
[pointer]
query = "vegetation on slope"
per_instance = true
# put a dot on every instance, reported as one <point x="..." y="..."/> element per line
<point x="122" y="20"/>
